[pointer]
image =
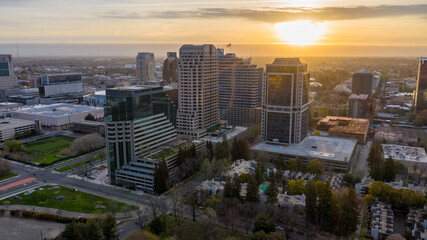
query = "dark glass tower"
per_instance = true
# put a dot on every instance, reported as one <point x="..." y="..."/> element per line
<point x="285" y="109"/>
<point x="421" y="93"/>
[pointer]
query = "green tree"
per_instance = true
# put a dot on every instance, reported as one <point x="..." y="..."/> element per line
<point x="272" y="191"/>
<point x="296" y="187"/>
<point x="90" y="117"/>
<point x="157" y="226"/>
<point x="325" y="205"/>
<point x="259" y="175"/>
<point x="280" y="163"/>
<point x="389" y="170"/>
<point x="109" y="228"/>
<point x="252" y="190"/>
<point x="161" y="177"/>
<point x="72" y="232"/>
<point x="237" y="186"/>
<point x="264" y="223"/>
<point x="228" y="188"/>
<point x="348" y="212"/>
<point x="350" y="180"/>
<point x="376" y="162"/>
<point x="315" y="167"/>
<point x="91" y="230"/>
<point x="292" y="165"/>
<point x="311" y="202"/>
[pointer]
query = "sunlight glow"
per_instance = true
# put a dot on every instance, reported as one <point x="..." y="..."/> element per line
<point x="301" y="32"/>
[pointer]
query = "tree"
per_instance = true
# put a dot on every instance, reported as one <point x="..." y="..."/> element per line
<point x="348" y="212"/>
<point x="239" y="149"/>
<point x="311" y="202"/>
<point x="259" y="176"/>
<point x="228" y="188"/>
<point x="156" y="226"/>
<point x="252" y="190"/>
<point x="91" y="230"/>
<point x="87" y="143"/>
<point x="369" y="199"/>
<point x="206" y="168"/>
<point x="389" y="170"/>
<point x="247" y="212"/>
<point x="109" y="228"/>
<point x="264" y="223"/>
<point x="296" y="187"/>
<point x="5" y="167"/>
<point x="292" y="165"/>
<point x="211" y="152"/>
<point x="280" y="163"/>
<point x="376" y="162"/>
<point x="325" y="205"/>
<point x="350" y="180"/>
<point x="315" y="167"/>
<point x="90" y="117"/>
<point x="161" y="177"/>
<point x="272" y="190"/>
<point x="236" y="187"/>
<point x="71" y="232"/>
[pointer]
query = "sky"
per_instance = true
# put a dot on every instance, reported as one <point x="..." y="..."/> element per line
<point x="299" y="23"/>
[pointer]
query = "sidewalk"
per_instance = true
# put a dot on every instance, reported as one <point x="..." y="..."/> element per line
<point x="64" y="213"/>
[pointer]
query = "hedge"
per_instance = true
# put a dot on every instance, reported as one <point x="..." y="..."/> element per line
<point x="27" y="214"/>
<point x="63" y="219"/>
<point x="46" y="216"/>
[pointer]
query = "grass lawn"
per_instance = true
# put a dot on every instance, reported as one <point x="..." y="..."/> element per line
<point x="49" y="148"/>
<point x="76" y="201"/>
<point x="8" y="176"/>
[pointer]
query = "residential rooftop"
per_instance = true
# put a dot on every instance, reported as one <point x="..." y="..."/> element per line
<point x="359" y="96"/>
<point x="322" y="147"/>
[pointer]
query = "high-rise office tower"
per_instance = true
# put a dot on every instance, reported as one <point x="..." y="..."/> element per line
<point x="363" y="83"/>
<point x="285" y="107"/>
<point x="138" y="120"/>
<point x="8" y="81"/>
<point x="145" y="67"/>
<point x="238" y="90"/>
<point x="421" y="91"/>
<point x="359" y="106"/>
<point x="170" y="68"/>
<point x="198" y="90"/>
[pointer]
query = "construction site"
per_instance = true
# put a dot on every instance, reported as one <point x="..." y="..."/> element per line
<point x="356" y="128"/>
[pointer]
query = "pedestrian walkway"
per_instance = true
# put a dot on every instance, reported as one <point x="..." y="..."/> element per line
<point x="63" y="213"/>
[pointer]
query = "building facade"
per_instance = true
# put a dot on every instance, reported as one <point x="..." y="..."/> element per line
<point x="359" y="106"/>
<point x="238" y="90"/>
<point x="60" y="83"/>
<point x="170" y="68"/>
<point x="8" y="81"/>
<point x="198" y="90"/>
<point x="286" y="105"/>
<point x="145" y="67"/>
<point x="421" y="91"/>
<point x="138" y="120"/>
<point x="363" y="83"/>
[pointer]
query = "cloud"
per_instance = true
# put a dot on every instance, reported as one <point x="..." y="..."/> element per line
<point x="274" y="15"/>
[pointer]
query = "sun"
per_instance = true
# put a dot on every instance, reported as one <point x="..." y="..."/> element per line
<point x="301" y="32"/>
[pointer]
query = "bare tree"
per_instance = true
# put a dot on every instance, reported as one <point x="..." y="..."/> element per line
<point x="154" y="205"/>
<point x="248" y="212"/>
<point x="5" y="167"/>
<point x="177" y="205"/>
<point x="163" y="206"/>
<point x="208" y="222"/>
<point x="112" y="205"/>
<point x="141" y="217"/>
<point x="87" y="143"/>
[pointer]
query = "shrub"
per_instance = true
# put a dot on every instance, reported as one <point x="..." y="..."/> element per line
<point x="82" y="220"/>
<point x="27" y="214"/>
<point x="156" y="226"/>
<point x="46" y="216"/>
<point x="15" y="213"/>
<point x="63" y="219"/>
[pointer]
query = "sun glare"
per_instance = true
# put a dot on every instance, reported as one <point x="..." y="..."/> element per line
<point x="300" y="32"/>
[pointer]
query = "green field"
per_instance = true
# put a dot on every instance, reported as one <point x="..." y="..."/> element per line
<point x="48" y="149"/>
<point x="8" y="176"/>
<point x="77" y="201"/>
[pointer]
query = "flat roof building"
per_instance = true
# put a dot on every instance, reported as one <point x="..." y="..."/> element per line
<point x="360" y="106"/>
<point x="408" y="156"/>
<point x="334" y="153"/>
<point x="11" y="128"/>
<point x="345" y="127"/>
<point x="58" y="116"/>
<point x="421" y="91"/>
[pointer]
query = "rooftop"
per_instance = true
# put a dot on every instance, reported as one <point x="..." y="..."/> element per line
<point x="55" y="110"/>
<point x="359" y="96"/>
<point x="339" y="149"/>
<point x="344" y="125"/>
<point x="405" y="153"/>
<point x="9" y="123"/>
<point x="286" y="61"/>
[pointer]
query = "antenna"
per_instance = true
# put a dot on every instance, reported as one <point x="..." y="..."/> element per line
<point x="17" y="50"/>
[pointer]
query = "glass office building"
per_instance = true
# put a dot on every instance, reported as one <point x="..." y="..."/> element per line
<point x="138" y="121"/>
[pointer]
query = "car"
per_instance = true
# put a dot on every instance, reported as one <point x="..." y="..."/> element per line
<point x="279" y="228"/>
